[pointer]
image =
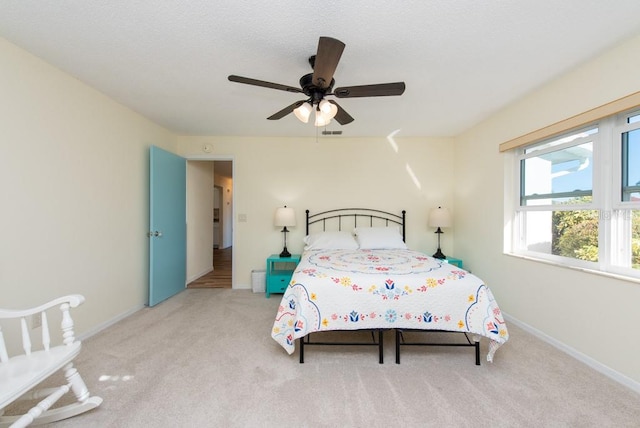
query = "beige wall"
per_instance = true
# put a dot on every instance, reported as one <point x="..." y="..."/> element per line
<point x="592" y="314"/>
<point x="74" y="186"/>
<point x="330" y="173"/>
<point x="199" y="219"/>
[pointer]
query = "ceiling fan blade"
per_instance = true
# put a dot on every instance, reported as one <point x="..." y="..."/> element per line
<point x="327" y="58"/>
<point x="342" y="117"/>
<point x="285" y="111"/>
<point x="255" y="82"/>
<point x="379" y="90"/>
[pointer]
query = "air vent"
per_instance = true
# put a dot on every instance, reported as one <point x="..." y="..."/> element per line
<point x="331" y="132"/>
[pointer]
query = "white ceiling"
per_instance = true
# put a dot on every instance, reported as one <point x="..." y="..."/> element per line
<point x="461" y="60"/>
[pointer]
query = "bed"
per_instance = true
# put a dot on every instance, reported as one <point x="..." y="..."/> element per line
<point x="356" y="273"/>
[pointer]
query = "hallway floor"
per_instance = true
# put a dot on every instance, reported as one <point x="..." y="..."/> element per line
<point x="220" y="277"/>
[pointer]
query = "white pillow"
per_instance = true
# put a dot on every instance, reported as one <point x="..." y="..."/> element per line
<point x="379" y="238"/>
<point x="330" y="241"/>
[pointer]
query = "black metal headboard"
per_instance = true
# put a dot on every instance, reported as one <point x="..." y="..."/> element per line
<point x="352" y="217"/>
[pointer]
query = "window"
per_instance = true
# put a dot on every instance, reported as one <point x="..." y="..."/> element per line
<point x="555" y="173"/>
<point x="631" y="162"/>
<point x="577" y="198"/>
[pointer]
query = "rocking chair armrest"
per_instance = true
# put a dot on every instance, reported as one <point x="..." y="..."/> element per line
<point x="73" y="300"/>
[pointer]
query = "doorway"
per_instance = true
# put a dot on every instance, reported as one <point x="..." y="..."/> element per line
<point x="217" y="223"/>
<point x="210" y="224"/>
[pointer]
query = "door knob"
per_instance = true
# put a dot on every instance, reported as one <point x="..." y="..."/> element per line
<point x="156" y="233"/>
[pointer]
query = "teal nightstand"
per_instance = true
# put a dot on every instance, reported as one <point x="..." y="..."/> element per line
<point x="279" y="271"/>
<point x="454" y="261"/>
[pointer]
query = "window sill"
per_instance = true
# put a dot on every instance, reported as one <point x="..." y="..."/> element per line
<point x="618" y="276"/>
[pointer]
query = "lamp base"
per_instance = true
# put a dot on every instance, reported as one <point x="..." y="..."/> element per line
<point x="285" y="253"/>
<point x="439" y="255"/>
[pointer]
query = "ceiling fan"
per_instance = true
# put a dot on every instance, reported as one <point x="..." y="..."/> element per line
<point x="319" y="84"/>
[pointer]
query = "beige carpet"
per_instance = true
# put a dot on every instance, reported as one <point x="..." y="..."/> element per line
<point x="205" y="358"/>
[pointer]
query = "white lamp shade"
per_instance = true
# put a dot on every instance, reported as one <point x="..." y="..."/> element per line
<point x="439" y="217"/>
<point x="303" y="112"/>
<point x="285" y="217"/>
<point x="328" y="109"/>
<point x="321" y="119"/>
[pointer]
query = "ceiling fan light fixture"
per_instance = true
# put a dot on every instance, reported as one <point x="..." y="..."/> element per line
<point x="328" y="109"/>
<point x="321" y="118"/>
<point x="303" y="112"/>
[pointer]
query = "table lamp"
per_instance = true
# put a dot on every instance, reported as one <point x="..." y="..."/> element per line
<point x="439" y="218"/>
<point x="285" y="217"/>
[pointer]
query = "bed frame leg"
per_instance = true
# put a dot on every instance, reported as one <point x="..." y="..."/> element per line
<point x="398" y="333"/>
<point x="380" y="347"/>
<point x="301" y="350"/>
<point x="477" y="346"/>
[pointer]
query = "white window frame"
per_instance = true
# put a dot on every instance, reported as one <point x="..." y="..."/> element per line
<point x="620" y="224"/>
<point x="614" y="213"/>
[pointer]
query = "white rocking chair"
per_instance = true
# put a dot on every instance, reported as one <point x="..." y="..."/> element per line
<point x="21" y="373"/>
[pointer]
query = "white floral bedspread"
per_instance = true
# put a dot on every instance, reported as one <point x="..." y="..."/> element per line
<point x="370" y="289"/>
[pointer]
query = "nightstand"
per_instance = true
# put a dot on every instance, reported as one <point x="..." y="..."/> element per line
<point x="279" y="271"/>
<point x="454" y="261"/>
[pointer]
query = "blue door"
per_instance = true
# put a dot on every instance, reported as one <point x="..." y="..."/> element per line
<point x="167" y="225"/>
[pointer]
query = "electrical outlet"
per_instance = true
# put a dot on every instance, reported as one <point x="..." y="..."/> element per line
<point x="36" y="320"/>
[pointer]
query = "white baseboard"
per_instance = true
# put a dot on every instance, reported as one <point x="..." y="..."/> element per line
<point x="97" y="329"/>
<point x="594" y="364"/>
